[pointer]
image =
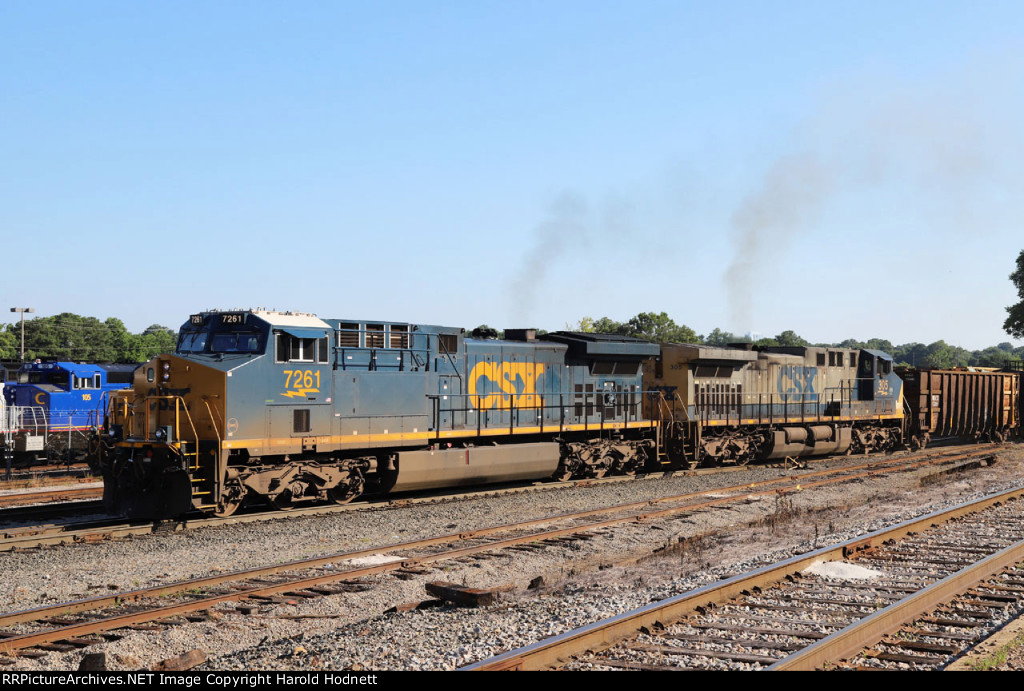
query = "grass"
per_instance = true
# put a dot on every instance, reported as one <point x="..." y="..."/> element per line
<point x="998" y="658"/>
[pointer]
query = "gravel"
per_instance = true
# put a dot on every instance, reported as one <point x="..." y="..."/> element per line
<point x="582" y="581"/>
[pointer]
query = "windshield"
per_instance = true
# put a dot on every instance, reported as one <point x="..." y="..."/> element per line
<point x="242" y="342"/>
<point x="192" y="341"/>
<point x="216" y="336"/>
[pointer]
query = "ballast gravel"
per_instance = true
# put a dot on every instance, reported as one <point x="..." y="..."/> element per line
<point x="553" y="590"/>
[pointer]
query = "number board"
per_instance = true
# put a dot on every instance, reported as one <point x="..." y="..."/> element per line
<point x="231" y="318"/>
<point x="221" y="319"/>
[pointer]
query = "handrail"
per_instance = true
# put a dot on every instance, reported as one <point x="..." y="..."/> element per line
<point x="440" y="344"/>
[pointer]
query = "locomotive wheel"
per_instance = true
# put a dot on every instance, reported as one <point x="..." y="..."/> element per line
<point x="563" y="474"/>
<point x="283" y="501"/>
<point x="343" y="494"/>
<point x="226" y="506"/>
<point x="348" y="489"/>
<point x="600" y="466"/>
<point x="231" y="498"/>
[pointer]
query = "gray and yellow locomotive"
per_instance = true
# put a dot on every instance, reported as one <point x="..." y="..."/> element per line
<point x="738" y="404"/>
<point x="263" y="406"/>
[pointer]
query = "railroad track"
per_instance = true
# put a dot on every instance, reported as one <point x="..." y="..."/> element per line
<point x="72" y="530"/>
<point x="914" y="596"/>
<point x="85" y="622"/>
<point x="89" y="529"/>
<point x="42" y="474"/>
<point x="51" y="496"/>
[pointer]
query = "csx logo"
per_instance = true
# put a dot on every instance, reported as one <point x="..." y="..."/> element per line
<point x="504" y="385"/>
<point x="794" y="379"/>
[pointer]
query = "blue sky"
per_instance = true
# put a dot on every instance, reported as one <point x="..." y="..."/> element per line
<point x="842" y="169"/>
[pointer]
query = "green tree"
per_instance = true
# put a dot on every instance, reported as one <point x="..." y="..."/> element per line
<point x="719" y="338"/>
<point x="995" y="356"/>
<point x="589" y="325"/>
<point x="10" y="342"/>
<point x="153" y="341"/>
<point x="1014" y="324"/>
<point x="604" y="325"/>
<point x="73" y="337"/>
<point x="584" y="325"/>
<point x="879" y="344"/>
<point x="789" y="338"/>
<point x="659" y="328"/>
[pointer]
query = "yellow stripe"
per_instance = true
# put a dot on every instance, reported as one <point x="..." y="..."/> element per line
<point x="364" y="439"/>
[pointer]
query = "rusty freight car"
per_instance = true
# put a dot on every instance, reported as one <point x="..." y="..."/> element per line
<point x="966" y="403"/>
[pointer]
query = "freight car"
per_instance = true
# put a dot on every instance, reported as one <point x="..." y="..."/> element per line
<point x="51" y="405"/>
<point x="282" y="408"/>
<point x="738" y="404"/>
<point x="971" y="403"/>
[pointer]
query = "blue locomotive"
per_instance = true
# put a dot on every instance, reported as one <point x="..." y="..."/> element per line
<point x="51" y="404"/>
<point x="66" y="395"/>
<point x="280" y="407"/>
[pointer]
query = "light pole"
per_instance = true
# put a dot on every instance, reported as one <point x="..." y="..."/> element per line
<point x="22" y="310"/>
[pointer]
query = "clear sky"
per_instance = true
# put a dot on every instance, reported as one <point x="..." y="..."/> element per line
<point x="841" y="169"/>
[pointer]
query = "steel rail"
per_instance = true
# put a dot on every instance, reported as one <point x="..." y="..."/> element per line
<point x="49" y="496"/>
<point x="853" y="639"/>
<point x="604" y="634"/>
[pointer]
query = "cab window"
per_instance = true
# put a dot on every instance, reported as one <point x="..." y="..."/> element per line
<point x="294" y="349"/>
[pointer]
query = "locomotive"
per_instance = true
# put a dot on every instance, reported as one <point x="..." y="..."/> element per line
<point x="737" y="404"/>
<point x="51" y="405"/>
<point x="283" y="408"/>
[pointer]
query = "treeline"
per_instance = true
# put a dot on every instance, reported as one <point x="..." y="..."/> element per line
<point x="70" y="336"/>
<point x="662" y="329"/>
<point x="84" y="339"/>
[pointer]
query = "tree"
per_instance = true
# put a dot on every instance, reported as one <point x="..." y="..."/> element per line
<point x="156" y="339"/>
<point x="10" y="343"/>
<point x="73" y="337"/>
<point x="789" y="338"/>
<point x="604" y="325"/>
<point x="879" y="344"/>
<point x="994" y="356"/>
<point x="659" y="328"/>
<point x="1014" y="324"/>
<point x="719" y="338"/>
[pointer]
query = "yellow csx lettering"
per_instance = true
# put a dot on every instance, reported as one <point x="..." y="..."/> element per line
<point x="504" y="385"/>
